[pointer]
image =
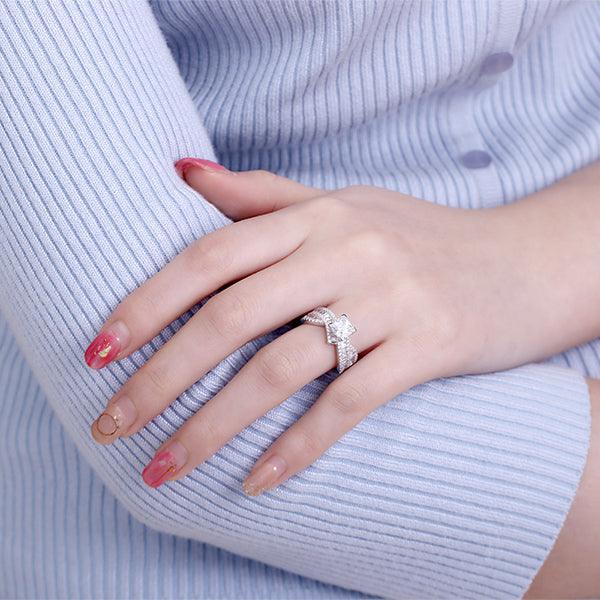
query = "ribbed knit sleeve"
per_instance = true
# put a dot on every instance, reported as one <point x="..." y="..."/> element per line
<point x="457" y="488"/>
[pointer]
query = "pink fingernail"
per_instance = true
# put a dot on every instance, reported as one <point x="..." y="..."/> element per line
<point x="115" y="420"/>
<point x="182" y="166"/>
<point x="107" y="345"/>
<point x="164" y="464"/>
<point x="265" y="476"/>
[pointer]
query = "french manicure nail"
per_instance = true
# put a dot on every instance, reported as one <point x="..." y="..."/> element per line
<point x="265" y="476"/>
<point x="182" y="166"/>
<point x="115" y="420"/>
<point x="165" y="464"/>
<point x="107" y="345"/>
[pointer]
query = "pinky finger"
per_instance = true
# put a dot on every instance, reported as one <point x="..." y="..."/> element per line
<point x="352" y="396"/>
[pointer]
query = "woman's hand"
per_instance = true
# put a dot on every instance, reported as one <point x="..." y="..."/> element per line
<point x="434" y="291"/>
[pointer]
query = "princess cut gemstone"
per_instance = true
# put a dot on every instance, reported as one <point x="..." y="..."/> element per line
<point x="339" y="329"/>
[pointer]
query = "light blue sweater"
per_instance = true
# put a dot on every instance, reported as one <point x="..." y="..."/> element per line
<point x="457" y="488"/>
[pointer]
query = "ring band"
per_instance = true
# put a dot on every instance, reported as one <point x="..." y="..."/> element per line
<point x="338" y="330"/>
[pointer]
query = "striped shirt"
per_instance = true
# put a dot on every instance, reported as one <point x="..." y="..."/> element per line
<point x="456" y="488"/>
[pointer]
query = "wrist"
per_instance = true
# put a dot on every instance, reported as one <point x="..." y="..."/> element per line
<point x="551" y="240"/>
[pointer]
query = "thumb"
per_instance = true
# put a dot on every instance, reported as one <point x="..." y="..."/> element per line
<point x="242" y="194"/>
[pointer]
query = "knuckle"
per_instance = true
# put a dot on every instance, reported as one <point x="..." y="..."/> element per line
<point x="370" y="242"/>
<point x="150" y="306"/>
<point x="227" y="313"/>
<point x="347" y="400"/>
<point x="210" y="254"/>
<point x="158" y="375"/>
<point x="326" y="204"/>
<point x="275" y="367"/>
<point x="207" y="430"/>
<point x="270" y="183"/>
<point x="266" y="177"/>
<point x="308" y="443"/>
<point x="138" y="302"/>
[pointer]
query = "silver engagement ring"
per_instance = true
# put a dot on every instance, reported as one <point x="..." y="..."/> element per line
<point x="338" y="330"/>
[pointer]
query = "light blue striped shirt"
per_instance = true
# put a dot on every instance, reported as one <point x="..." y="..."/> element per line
<point x="457" y="488"/>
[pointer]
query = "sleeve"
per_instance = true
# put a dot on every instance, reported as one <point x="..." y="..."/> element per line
<point x="457" y="488"/>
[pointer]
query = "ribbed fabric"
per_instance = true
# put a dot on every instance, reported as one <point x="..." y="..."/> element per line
<point x="457" y="488"/>
<point x="64" y="535"/>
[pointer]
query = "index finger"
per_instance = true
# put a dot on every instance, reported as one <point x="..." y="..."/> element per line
<point x="214" y="260"/>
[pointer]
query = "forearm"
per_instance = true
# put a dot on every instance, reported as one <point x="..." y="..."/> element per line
<point x="554" y="239"/>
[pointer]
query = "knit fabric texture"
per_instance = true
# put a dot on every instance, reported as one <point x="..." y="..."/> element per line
<point x="455" y="488"/>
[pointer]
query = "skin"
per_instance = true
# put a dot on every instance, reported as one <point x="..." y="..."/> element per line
<point x="435" y="291"/>
<point x="572" y="570"/>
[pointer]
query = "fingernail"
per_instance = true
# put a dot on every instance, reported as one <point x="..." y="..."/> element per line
<point x="265" y="476"/>
<point x="114" y="421"/>
<point x="182" y="166"/>
<point x="107" y="345"/>
<point x="166" y="463"/>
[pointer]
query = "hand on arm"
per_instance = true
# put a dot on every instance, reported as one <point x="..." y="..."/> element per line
<point x="456" y="488"/>
<point x="435" y="291"/>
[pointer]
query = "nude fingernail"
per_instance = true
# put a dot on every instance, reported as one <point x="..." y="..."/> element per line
<point x="106" y="345"/>
<point x="265" y="476"/>
<point x="185" y="164"/>
<point x="165" y="464"/>
<point x="114" y="421"/>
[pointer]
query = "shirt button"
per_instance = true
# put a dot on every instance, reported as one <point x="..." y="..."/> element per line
<point x="497" y="63"/>
<point x="475" y="159"/>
